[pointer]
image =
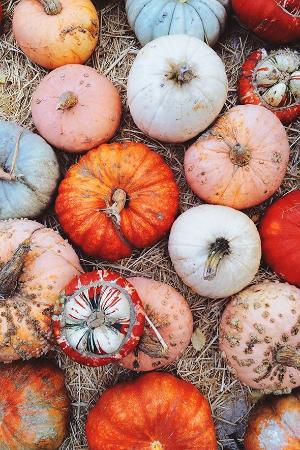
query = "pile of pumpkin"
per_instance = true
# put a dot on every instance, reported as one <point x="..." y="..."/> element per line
<point x="121" y="196"/>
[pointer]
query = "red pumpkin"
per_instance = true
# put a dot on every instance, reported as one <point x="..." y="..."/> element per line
<point x="118" y="196"/>
<point x="280" y="237"/>
<point x="99" y="318"/>
<point x="277" y="21"/>
<point x="154" y="412"/>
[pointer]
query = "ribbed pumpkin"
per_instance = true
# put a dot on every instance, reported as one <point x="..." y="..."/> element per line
<point x="28" y="172"/>
<point x="34" y="405"/>
<point x="35" y="265"/>
<point x="117" y="197"/>
<point x="157" y="411"/>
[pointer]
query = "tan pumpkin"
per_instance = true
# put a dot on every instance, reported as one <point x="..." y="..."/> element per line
<point x="241" y="161"/>
<point x="75" y="108"/>
<point x="56" y="32"/>
<point x="35" y="265"/>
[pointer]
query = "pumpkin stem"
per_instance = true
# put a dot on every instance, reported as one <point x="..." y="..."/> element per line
<point x="288" y="356"/>
<point x="217" y="251"/>
<point x="156" y="445"/>
<point x="66" y="101"/>
<point x="51" y="7"/>
<point x="181" y="74"/>
<point x="239" y="155"/>
<point x="157" y="333"/>
<point x="119" y="198"/>
<point x="11" y="176"/>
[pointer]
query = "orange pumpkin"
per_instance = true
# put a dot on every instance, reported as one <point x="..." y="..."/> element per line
<point x="34" y="406"/>
<point x="274" y="424"/>
<point x="75" y="108"/>
<point x="241" y="161"/>
<point x="154" y="412"/>
<point x="118" y="196"/>
<point x="52" y="33"/>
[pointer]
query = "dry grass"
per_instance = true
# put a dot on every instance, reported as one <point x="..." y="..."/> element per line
<point x="205" y="369"/>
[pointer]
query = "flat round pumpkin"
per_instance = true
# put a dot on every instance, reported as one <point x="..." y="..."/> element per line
<point x="117" y="197"/>
<point x="75" y="108"/>
<point x="157" y="411"/>
<point x="99" y="318"/>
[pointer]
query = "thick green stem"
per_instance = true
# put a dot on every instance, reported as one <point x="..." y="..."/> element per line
<point x="217" y="251"/>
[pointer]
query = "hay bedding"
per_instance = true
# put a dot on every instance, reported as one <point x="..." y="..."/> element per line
<point x="204" y="368"/>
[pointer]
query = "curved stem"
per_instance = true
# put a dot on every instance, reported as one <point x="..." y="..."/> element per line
<point x="11" y="175"/>
<point x="66" y="101"/>
<point x="157" y="333"/>
<point x="51" y="7"/>
<point x="288" y="356"/>
<point x="119" y="198"/>
<point x="217" y="251"/>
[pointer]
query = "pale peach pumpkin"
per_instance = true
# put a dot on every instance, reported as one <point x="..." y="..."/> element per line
<point x="75" y="108"/>
<point x="241" y="161"/>
<point x="35" y="265"/>
<point x="170" y="314"/>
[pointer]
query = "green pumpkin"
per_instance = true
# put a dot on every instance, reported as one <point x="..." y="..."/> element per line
<point x="29" y="172"/>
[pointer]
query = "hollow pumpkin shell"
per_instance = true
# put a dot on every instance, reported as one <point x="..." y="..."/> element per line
<point x="260" y="336"/>
<point x="35" y="406"/>
<point x="35" y="265"/>
<point x="170" y="314"/>
<point x="75" y="108"/>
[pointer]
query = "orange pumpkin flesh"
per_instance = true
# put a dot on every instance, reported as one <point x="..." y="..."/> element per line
<point x="34" y="406"/>
<point x="118" y="196"/>
<point x="154" y="412"/>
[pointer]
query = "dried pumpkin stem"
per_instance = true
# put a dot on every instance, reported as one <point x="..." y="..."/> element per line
<point x="51" y="7"/>
<point x="11" y="270"/>
<point x="217" y="251"/>
<point x="156" y="445"/>
<point x="181" y="73"/>
<point x="288" y="356"/>
<point x="157" y="333"/>
<point x="239" y="155"/>
<point x="119" y="198"/>
<point x="66" y="101"/>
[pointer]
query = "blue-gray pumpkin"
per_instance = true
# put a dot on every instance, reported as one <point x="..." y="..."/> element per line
<point x="29" y="172"/>
<point x="204" y="19"/>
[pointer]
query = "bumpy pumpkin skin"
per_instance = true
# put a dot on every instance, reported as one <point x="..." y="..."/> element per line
<point x="275" y="424"/>
<point x="170" y="314"/>
<point x="53" y="40"/>
<point x="280" y="236"/>
<point x="27" y="186"/>
<point x="154" y="412"/>
<point x="118" y="196"/>
<point x="46" y="264"/>
<point x="260" y="336"/>
<point x="34" y="405"/>
<point x="88" y="119"/>
<point x="238" y="162"/>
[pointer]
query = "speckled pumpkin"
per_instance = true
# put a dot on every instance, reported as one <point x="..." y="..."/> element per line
<point x="35" y="265"/>
<point x="34" y="405"/>
<point x="260" y="336"/>
<point x="170" y="314"/>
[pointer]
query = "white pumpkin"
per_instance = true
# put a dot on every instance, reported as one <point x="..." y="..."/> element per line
<point x="204" y="19"/>
<point x="215" y="250"/>
<point x="177" y="86"/>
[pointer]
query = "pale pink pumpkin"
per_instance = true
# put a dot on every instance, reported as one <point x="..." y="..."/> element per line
<point x="75" y="108"/>
<point x="35" y="265"/>
<point x="170" y="314"/>
<point x="260" y="336"/>
<point x="241" y="161"/>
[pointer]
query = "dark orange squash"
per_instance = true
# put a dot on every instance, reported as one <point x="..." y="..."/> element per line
<point x="154" y="412"/>
<point x="118" y="196"/>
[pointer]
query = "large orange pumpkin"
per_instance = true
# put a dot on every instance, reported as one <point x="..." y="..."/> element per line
<point x="56" y="32"/>
<point x="118" y="196"/>
<point x="34" y="406"/>
<point x="154" y="412"/>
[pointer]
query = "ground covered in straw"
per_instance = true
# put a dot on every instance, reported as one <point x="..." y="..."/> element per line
<point x="113" y="57"/>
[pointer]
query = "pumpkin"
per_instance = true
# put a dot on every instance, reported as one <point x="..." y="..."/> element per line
<point x="277" y="21"/>
<point x="171" y="316"/>
<point x="154" y="412"/>
<point x="29" y="172"/>
<point x="275" y="423"/>
<point x="75" y="108"/>
<point x="52" y="33"/>
<point x="241" y="160"/>
<point x="280" y="237"/>
<point x="35" y="406"/>
<point x="272" y="80"/>
<point x="35" y="265"/>
<point x="99" y="319"/>
<point x="260" y="336"/>
<point x="203" y="19"/>
<point x="117" y="197"/>
<point x="215" y="250"/>
<point x="177" y="86"/>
